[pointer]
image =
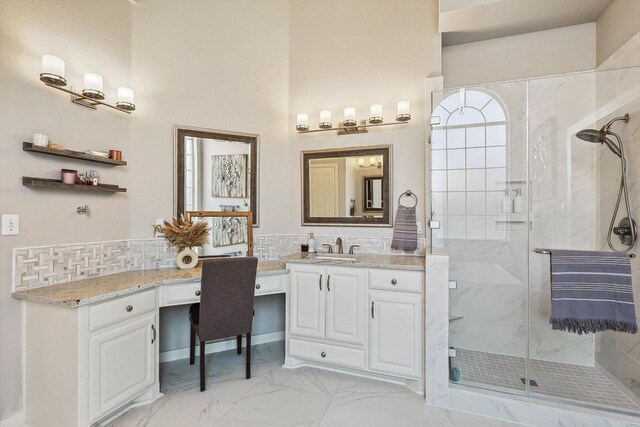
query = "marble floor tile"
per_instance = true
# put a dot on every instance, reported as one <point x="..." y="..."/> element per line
<point x="276" y="396"/>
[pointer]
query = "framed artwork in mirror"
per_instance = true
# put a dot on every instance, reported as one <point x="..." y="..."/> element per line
<point x="231" y="233"/>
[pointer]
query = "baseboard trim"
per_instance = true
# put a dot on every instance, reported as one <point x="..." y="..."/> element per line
<point x="216" y="347"/>
<point x="15" y="420"/>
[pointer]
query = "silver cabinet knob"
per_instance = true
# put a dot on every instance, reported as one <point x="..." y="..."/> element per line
<point x="197" y="293"/>
<point x="394" y="282"/>
<point x="257" y="285"/>
<point x="129" y="308"/>
<point x="323" y="354"/>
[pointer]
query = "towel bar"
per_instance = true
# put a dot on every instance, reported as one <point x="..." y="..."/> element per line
<point x="548" y="251"/>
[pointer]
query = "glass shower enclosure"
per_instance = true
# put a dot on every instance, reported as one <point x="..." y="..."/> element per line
<point x="508" y="175"/>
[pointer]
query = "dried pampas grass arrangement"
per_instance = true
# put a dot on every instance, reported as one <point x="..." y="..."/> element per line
<point x="183" y="233"/>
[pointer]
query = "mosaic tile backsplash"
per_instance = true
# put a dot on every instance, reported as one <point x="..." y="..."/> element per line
<point x="50" y="265"/>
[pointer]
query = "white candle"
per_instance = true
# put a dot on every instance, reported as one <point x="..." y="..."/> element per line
<point x="349" y="113"/>
<point x="375" y="110"/>
<point x="325" y="116"/>
<point x="302" y="119"/>
<point x="52" y="65"/>
<point x="93" y="81"/>
<point x="372" y="161"/>
<point x="125" y="94"/>
<point x="360" y="162"/>
<point x="403" y="107"/>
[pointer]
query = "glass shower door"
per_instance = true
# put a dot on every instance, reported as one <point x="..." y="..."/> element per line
<point x="479" y="194"/>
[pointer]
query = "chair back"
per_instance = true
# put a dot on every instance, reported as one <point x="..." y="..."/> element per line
<point x="226" y="297"/>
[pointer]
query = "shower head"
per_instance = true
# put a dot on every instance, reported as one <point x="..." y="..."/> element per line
<point x="592" y="135"/>
<point x="599" y="136"/>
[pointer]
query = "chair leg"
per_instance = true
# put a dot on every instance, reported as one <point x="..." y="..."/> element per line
<point x="192" y="347"/>
<point x="247" y="355"/>
<point x="203" y="377"/>
<point x="239" y="344"/>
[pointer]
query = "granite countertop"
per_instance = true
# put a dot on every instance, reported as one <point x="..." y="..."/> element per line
<point x="88" y="291"/>
<point x="392" y="262"/>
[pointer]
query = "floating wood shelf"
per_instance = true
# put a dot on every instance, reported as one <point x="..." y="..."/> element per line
<point x="28" y="146"/>
<point x="30" y="181"/>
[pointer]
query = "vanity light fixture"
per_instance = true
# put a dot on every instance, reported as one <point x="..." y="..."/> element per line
<point x="325" y="120"/>
<point x="350" y="125"/>
<point x="92" y="93"/>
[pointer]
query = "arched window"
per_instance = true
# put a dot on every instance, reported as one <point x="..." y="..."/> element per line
<point x="469" y="165"/>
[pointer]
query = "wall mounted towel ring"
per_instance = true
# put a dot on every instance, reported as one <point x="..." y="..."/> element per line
<point x="408" y="193"/>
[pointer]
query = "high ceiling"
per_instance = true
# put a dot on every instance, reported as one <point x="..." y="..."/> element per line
<point x="466" y="21"/>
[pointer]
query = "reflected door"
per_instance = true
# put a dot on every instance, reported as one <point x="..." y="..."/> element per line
<point x="323" y="193"/>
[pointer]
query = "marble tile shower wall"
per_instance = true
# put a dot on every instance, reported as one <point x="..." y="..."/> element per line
<point x="618" y="92"/>
<point x="49" y="265"/>
<point x="563" y="202"/>
<point x="561" y="174"/>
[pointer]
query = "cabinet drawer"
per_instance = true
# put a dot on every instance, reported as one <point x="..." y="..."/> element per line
<point x="401" y="280"/>
<point x="122" y="308"/>
<point x="183" y="293"/>
<point x="269" y="284"/>
<point x="336" y="355"/>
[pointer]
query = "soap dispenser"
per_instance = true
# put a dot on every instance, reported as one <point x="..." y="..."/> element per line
<point x="312" y="243"/>
<point x="505" y="206"/>
<point x="518" y="201"/>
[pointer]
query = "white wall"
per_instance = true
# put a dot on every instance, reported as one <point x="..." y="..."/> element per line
<point x="89" y="36"/>
<point x="617" y="24"/>
<point x="529" y="55"/>
<point x="213" y="64"/>
<point x="220" y="65"/>
<point x="356" y="53"/>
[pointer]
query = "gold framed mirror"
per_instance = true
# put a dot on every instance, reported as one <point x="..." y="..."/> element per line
<point x="215" y="171"/>
<point x="347" y="187"/>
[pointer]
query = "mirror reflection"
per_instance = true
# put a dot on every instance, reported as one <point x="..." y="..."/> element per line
<point x="346" y="186"/>
<point x="231" y="233"/>
<point x="216" y="172"/>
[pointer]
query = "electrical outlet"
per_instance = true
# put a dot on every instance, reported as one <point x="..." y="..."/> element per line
<point x="419" y="226"/>
<point x="10" y="224"/>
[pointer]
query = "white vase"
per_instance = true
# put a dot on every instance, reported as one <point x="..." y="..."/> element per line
<point x="186" y="259"/>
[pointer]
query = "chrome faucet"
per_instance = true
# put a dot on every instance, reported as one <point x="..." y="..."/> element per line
<point x="329" y="248"/>
<point x="351" y="248"/>
<point x="339" y="245"/>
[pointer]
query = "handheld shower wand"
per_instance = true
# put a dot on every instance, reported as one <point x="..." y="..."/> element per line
<point x="626" y="229"/>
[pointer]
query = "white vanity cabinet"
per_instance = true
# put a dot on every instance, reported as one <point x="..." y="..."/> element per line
<point x="367" y="319"/>
<point x="189" y="292"/>
<point x="83" y="363"/>
<point x="326" y="303"/>
<point x="395" y="322"/>
<point x="122" y="356"/>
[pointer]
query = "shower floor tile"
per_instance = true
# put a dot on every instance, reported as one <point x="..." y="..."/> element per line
<point x="580" y="383"/>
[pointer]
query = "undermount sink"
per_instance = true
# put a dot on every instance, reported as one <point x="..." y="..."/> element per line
<point x="336" y="258"/>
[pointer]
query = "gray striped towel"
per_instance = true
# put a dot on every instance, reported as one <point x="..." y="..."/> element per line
<point x="591" y="291"/>
<point x="405" y="229"/>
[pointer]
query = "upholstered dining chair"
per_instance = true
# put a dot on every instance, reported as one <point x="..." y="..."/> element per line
<point x="225" y="308"/>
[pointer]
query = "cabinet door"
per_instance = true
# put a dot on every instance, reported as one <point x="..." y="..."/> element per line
<point x="121" y="363"/>
<point x="395" y="328"/>
<point x="345" y="304"/>
<point x="306" y="299"/>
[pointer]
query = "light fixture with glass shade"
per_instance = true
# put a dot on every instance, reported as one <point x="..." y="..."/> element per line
<point x="350" y="125"/>
<point x="53" y="75"/>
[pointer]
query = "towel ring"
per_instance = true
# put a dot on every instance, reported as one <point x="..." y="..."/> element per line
<point x="408" y="193"/>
